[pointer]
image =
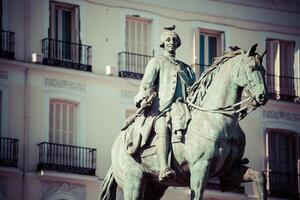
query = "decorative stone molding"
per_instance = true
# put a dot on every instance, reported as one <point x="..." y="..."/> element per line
<point x="51" y="188"/>
<point x="64" y="84"/>
<point x="3" y="187"/>
<point x="281" y="115"/>
<point x="3" y="75"/>
<point x="284" y="5"/>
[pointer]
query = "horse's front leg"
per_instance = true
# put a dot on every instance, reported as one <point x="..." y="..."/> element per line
<point x="258" y="179"/>
<point x="134" y="190"/>
<point x="199" y="176"/>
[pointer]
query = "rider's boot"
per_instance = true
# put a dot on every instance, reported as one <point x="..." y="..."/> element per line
<point x="162" y="152"/>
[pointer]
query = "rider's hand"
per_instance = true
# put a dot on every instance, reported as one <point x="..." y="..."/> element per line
<point x="143" y="102"/>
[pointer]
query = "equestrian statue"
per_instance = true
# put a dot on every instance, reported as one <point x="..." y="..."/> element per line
<point x="185" y="132"/>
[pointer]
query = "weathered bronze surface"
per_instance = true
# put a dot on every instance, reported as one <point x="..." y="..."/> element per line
<point x="186" y="132"/>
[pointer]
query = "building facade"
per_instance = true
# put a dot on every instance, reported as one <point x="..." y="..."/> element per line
<point x="69" y="70"/>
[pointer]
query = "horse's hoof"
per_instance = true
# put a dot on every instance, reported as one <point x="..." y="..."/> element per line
<point x="165" y="174"/>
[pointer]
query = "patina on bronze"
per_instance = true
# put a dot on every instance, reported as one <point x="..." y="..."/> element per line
<point x="213" y="143"/>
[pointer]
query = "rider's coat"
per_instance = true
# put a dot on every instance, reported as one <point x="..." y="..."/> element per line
<point x="170" y="79"/>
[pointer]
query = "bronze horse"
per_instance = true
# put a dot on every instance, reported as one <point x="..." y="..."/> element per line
<point x="214" y="143"/>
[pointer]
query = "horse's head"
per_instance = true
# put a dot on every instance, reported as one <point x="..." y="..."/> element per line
<point x="251" y="76"/>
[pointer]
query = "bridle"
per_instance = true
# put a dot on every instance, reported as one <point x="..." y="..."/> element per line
<point x="233" y="109"/>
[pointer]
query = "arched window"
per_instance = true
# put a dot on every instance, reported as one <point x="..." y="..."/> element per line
<point x="62" y="122"/>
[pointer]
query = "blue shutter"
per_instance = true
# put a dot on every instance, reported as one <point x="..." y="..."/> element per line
<point x="212" y="48"/>
<point x="201" y="52"/>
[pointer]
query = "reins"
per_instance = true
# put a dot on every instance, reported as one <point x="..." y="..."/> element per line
<point x="232" y="109"/>
<point x="228" y="110"/>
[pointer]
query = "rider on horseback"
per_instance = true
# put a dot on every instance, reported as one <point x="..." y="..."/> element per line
<point x="169" y="78"/>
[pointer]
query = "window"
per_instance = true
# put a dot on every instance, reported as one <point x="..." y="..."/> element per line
<point x="282" y="167"/>
<point x="133" y="61"/>
<point x="1" y="14"/>
<point x="137" y="36"/>
<point x="280" y="69"/>
<point x="62" y="118"/>
<point x="1" y="111"/>
<point x="208" y="45"/>
<point x="64" y="29"/>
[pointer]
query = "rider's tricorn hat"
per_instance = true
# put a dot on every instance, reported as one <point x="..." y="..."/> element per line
<point x="167" y="30"/>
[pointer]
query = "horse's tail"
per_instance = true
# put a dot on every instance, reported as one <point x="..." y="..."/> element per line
<point x="109" y="187"/>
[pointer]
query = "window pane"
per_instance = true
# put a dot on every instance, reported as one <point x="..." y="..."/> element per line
<point x="66" y="25"/>
<point x="61" y="122"/>
<point x="51" y="110"/>
<point x="212" y="49"/>
<point x="0" y="113"/>
<point x="282" y="164"/>
<point x="202" y="52"/>
<point x="66" y="34"/>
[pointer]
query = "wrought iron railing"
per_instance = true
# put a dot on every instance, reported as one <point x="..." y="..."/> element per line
<point x="67" y="54"/>
<point x="7" y="44"/>
<point x="132" y="65"/>
<point x="8" y="152"/>
<point x="283" y="184"/>
<point x="67" y="158"/>
<point x="283" y="88"/>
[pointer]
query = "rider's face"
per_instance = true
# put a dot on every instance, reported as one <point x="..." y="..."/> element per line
<point x="171" y="42"/>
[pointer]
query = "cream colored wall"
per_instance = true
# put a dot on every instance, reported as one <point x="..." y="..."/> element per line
<point x="103" y="25"/>
<point x="16" y="23"/>
<point x="103" y="111"/>
<point x="106" y="99"/>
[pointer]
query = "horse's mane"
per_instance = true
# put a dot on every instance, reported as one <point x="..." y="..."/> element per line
<point x="199" y="88"/>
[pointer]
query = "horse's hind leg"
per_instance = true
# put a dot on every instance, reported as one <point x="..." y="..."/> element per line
<point x="134" y="191"/>
<point x="154" y="191"/>
<point x="241" y="174"/>
<point x="258" y="179"/>
<point x="199" y="177"/>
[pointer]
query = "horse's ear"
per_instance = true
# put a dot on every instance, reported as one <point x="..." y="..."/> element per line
<point x="262" y="56"/>
<point x="251" y="51"/>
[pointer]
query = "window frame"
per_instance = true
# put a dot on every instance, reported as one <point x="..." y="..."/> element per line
<point x="68" y="104"/>
<point x="281" y="81"/>
<point x="289" y="133"/>
<point x="220" y="44"/>
<point x="4" y="111"/>
<point x="75" y="20"/>
<point x="140" y="20"/>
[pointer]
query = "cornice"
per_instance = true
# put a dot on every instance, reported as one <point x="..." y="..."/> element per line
<point x="280" y="5"/>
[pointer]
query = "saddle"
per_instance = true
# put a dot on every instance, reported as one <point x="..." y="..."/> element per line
<point x="178" y="118"/>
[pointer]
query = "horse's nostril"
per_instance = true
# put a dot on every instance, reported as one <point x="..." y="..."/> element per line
<point x="261" y="97"/>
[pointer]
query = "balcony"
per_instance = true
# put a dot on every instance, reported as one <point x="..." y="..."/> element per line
<point x="8" y="152"/>
<point x="67" y="158"/>
<point x="67" y="54"/>
<point x="7" y="44"/>
<point x="132" y="65"/>
<point x="283" y="184"/>
<point x="283" y="88"/>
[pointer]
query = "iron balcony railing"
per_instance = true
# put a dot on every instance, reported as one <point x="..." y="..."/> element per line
<point x="67" y="158"/>
<point x="283" y="184"/>
<point x="132" y="65"/>
<point x="8" y="152"/>
<point x="283" y="88"/>
<point x="7" y="44"/>
<point x="67" y="54"/>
